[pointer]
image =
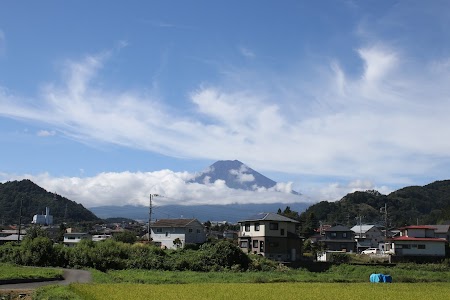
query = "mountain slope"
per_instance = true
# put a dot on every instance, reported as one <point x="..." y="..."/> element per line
<point x="429" y="204"/>
<point x="34" y="201"/>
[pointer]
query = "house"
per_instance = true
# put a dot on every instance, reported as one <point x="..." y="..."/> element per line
<point x="11" y="235"/>
<point x="176" y="233"/>
<point x="367" y="236"/>
<point x="418" y="241"/>
<point x="73" y="238"/>
<point x="339" y="238"/>
<point x="442" y="231"/>
<point x="271" y="235"/>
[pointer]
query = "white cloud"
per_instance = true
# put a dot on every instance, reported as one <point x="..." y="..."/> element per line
<point x="134" y="189"/>
<point x="242" y="175"/>
<point x="45" y="133"/>
<point x="388" y="124"/>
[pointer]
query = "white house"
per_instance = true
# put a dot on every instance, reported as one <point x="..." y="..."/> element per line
<point x="367" y="236"/>
<point x="418" y="241"/>
<point x="176" y="233"/>
<point x="71" y="239"/>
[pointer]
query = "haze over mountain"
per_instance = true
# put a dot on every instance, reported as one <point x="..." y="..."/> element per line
<point x="235" y="176"/>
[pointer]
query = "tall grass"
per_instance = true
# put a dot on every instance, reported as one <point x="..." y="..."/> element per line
<point x="10" y="271"/>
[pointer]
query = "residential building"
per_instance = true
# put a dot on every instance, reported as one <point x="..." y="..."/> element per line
<point x="11" y="235"/>
<point x="176" y="233"/>
<point x="418" y="241"/>
<point x="339" y="238"/>
<point x="271" y="235"/>
<point x="442" y="231"/>
<point x="367" y="236"/>
<point x="73" y="238"/>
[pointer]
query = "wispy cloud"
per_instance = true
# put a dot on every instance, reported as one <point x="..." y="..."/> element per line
<point x="2" y="43"/>
<point x="45" y="133"/>
<point x="387" y="124"/>
<point x="246" y="52"/>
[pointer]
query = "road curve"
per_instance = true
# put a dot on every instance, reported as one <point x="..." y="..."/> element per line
<point x="69" y="275"/>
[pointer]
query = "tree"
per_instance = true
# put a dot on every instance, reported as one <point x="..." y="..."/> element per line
<point x="177" y="243"/>
<point x="128" y="237"/>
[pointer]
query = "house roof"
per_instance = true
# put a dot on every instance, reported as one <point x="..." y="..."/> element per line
<point x="174" y="222"/>
<point x="412" y="239"/>
<point x="268" y="217"/>
<point x="361" y="228"/>
<point x="338" y="228"/>
<point x="418" y="227"/>
<point x="441" y="228"/>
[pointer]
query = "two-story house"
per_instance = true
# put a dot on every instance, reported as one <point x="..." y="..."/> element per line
<point x="271" y="235"/>
<point x="339" y="238"/>
<point x="367" y="236"/>
<point x="176" y="233"/>
<point x="73" y="238"/>
<point x="418" y="241"/>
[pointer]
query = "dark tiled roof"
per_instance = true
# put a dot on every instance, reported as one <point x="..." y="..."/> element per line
<point x="173" y="222"/>
<point x="338" y="228"/>
<point x="269" y="217"/>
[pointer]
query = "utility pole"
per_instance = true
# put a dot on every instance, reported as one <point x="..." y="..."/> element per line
<point x="150" y="214"/>
<point x="384" y="209"/>
<point x="20" y="219"/>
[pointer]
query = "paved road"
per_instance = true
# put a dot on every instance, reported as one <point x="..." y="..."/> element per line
<point x="69" y="275"/>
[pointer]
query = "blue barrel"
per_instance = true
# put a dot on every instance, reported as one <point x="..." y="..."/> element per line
<point x="380" y="278"/>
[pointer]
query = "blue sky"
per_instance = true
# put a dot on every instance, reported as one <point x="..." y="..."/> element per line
<point x="104" y="102"/>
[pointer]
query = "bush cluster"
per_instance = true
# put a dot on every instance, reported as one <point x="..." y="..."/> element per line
<point x="114" y="255"/>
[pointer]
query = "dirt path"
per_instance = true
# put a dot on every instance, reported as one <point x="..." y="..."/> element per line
<point x="69" y="275"/>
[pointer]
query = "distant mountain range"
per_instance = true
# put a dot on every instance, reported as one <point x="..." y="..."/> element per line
<point x="230" y="213"/>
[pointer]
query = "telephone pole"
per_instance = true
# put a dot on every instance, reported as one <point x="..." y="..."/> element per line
<point x="150" y="214"/>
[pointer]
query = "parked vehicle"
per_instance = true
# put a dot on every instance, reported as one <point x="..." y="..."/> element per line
<point x="371" y="251"/>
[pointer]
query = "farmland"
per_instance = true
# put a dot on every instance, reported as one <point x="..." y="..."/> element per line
<point x="228" y="291"/>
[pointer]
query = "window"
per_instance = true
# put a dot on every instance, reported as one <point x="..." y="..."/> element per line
<point x="244" y="244"/>
<point x="190" y="230"/>
<point x="198" y="230"/>
<point x="158" y="229"/>
<point x="344" y="234"/>
<point x="273" y="226"/>
<point x="282" y="231"/>
<point x="333" y="234"/>
<point x="255" y="244"/>
<point x="256" y="226"/>
<point x="421" y="247"/>
<point x="247" y="227"/>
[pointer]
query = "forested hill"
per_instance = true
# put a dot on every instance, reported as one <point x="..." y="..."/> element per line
<point x="34" y="201"/>
<point x="429" y="204"/>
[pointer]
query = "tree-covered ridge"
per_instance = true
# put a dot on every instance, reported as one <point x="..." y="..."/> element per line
<point x="34" y="201"/>
<point x="429" y="204"/>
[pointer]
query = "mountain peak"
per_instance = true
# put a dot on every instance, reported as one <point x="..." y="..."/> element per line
<point x="236" y="175"/>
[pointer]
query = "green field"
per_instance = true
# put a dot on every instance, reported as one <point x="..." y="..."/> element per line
<point x="9" y="271"/>
<point x="323" y="291"/>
